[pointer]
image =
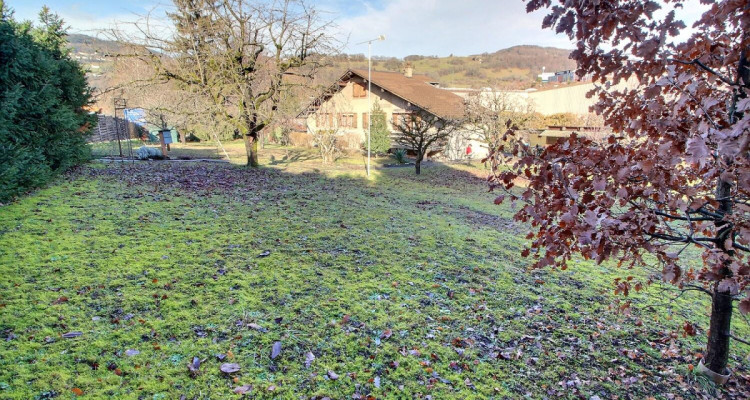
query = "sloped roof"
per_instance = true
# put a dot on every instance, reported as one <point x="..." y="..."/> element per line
<point x="418" y="91"/>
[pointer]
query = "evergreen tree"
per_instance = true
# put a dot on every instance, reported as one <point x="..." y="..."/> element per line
<point x="380" y="136"/>
<point x="43" y="125"/>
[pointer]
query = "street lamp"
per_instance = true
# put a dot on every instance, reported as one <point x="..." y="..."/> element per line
<point x="369" y="89"/>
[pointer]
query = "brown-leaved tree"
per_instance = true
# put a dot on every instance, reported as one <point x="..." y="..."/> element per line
<point x="676" y="172"/>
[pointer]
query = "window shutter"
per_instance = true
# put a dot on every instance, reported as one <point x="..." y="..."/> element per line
<point x="354" y="120"/>
<point x="365" y="120"/>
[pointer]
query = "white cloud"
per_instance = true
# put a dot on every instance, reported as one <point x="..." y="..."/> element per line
<point x="442" y="27"/>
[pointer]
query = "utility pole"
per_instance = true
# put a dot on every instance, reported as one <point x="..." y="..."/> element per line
<point x="369" y="96"/>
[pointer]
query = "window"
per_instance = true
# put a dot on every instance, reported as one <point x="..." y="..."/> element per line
<point x="324" y="119"/>
<point x="399" y="119"/>
<point x="348" y="120"/>
<point x="359" y="90"/>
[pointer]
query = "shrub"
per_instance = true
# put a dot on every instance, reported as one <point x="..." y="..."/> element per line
<point x="300" y="139"/>
<point x="349" y="141"/>
<point x="380" y="136"/>
<point x="400" y="156"/>
<point x="43" y="126"/>
<point x="326" y="140"/>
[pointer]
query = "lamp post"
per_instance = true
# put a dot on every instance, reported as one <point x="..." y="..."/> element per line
<point x="369" y="89"/>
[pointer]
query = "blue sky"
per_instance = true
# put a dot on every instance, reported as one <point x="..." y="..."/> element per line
<point x="426" y="27"/>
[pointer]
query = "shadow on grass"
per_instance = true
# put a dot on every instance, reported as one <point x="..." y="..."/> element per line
<point x="292" y="156"/>
<point x="202" y="252"/>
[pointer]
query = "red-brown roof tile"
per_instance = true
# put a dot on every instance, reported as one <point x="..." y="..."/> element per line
<point x="418" y="91"/>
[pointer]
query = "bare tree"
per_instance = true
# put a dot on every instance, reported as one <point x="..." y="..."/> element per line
<point x="423" y="132"/>
<point x="489" y="113"/>
<point x="326" y="140"/>
<point x="242" y="56"/>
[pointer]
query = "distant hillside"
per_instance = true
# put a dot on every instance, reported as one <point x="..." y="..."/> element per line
<point x="515" y="67"/>
<point x="91" y="45"/>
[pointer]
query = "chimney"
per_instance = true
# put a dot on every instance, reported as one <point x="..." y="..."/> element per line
<point x="409" y="70"/>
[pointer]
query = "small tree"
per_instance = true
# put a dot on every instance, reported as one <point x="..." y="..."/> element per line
<point x="490" y="113"/>
<point x="676" y="175"/>
<point x="326" y="140"/>
<point x="422" y="131"/>
<point x="380" y="135"/>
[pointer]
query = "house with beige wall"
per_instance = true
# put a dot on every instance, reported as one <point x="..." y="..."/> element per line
<point x="344" y="105"/>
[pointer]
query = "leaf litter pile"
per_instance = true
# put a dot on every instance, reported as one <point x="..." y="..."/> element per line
<point x="168" y="281"/>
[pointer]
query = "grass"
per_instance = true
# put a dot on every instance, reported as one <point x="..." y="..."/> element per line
<point x="400" y="286"/>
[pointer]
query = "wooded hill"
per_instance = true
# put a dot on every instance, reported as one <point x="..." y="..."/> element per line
<point x="515" y="67"/>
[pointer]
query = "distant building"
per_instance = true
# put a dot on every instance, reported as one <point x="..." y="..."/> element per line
<point x="561" y="77"/>
<point x="546" y="76"/>
<point x="344" y="106"/>
<point x="552" y="134"/>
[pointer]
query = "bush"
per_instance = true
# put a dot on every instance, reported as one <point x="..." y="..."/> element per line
<point x="380" y="136"/>
<point x="349" y="141"/>
<point x="326" y="140"/>
<point x="300" y="139"/>
<point x="43" y="126"/>
<point x="400" y="156"/>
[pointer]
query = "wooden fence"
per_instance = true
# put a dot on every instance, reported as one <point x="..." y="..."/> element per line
<point x="107" y="127"/>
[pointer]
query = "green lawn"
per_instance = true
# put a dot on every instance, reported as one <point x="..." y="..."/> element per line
<point x="394" y="287"/>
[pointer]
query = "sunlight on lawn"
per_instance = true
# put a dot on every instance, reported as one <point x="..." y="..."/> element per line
<point x="401" y="286"/>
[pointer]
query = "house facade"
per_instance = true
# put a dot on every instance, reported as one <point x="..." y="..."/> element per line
<point x="344" y="106"/>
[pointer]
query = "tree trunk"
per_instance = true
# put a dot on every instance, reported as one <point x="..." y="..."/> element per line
<point x="717" y="349"/>
<point x="251" y="147"/>
<point x="418" y="163"/>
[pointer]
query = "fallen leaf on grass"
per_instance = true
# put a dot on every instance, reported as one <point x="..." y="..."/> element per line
<point x="229" y="368"/>
<point x="73" y="334"/>
<point x="309" y="358"/>
<point x="264" y="254"/>
<point x="60" y="300"/>
<point x="132" y="352"/>
<point x="194" y="366"/>
<point x="77" y="391"/>
<point x="275" y="350"/>
<point x="257" y="327"/>
<point x="386" y="334"/>
<point x="332" y="375"/>
<point x="243" y="389"/>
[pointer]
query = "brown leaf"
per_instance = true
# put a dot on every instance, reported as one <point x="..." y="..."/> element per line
<point x="229" y="368"/>
<point x="194" y="366"/>
<point x="257" y="327"/>
<point x="77" y="391"/>
<point x="243" y="389"/>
